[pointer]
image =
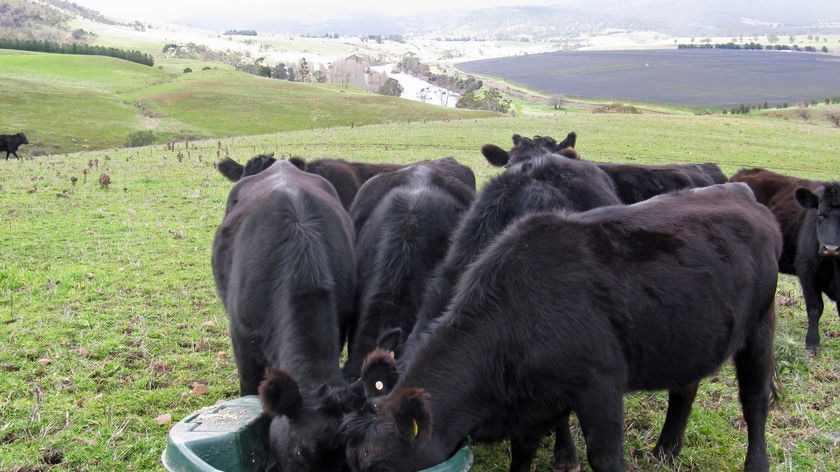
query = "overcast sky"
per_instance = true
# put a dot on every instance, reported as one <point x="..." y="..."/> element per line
<point x="164" y="10"/>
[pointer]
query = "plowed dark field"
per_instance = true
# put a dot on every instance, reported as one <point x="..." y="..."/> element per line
<point x="692" y="77"/>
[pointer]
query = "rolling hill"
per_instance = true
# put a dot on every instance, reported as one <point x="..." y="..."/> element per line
<point x="67" y="103"/>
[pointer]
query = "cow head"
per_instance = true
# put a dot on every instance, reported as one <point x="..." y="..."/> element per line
<point x="305" y="428"/>
<point x="826" y="203"/>
<point x="392" y="433"/>
<point x="529" y="148"/>
<point x="257" y="164"/>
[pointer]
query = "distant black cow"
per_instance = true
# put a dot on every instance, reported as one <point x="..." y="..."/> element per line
<point x="284" y="267"/>
<point x="808" y="212"/>
<point x="11" y="142"/>
<point x="566" y="312"/>
<point x="403" y="221"/>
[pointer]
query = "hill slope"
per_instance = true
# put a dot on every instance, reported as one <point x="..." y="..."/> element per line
<point x="67" y="103"/>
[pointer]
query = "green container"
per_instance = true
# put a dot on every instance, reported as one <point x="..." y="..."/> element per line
<point x="233" y="437"/>
<point x="229" y="437"/>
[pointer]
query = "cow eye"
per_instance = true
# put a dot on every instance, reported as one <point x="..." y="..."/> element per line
<point x="299" y="457"/>
<point x="820" y="215"/>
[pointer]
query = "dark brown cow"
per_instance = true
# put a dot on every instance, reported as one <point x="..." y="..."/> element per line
<point x="567" y="312"/>
<point x="808" y="212"/>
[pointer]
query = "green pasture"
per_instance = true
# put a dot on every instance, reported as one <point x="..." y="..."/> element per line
<point x="66" y="103"/>
<point x="110" y="322"/>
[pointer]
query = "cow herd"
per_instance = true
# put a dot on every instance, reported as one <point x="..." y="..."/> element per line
<point x="494" y="314"/>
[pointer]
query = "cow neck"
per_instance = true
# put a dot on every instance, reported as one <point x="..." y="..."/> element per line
<point x="311" y="360"/>
<point x="452" y="379"/>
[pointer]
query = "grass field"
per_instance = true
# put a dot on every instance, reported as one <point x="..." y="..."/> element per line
<point x="66" y="103"/>
<point x="111" y="326"/>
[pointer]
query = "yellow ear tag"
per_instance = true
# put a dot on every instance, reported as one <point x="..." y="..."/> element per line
<point x="379" y="385"/>
<point x="416" y="427"/>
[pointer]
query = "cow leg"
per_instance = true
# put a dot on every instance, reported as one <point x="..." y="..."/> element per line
<point x="250" y="368"/>
<point x="814" y="306"/>
<point x="754" y="369"/>
<point x="565" y="455"/>
<point x="523" y="449"/>
<point x="600" y="411"/>
<point x="670" y="441"/>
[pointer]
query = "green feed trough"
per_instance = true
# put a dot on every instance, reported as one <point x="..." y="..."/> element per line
<point x="233" y="437"/>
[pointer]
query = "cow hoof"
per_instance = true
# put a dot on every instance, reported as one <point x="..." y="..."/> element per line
<point x="812" y="351"/>
<point x="572" y="467"/>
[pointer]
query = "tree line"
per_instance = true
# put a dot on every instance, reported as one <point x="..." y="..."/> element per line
<point x="37" y="45"/>
<point x="752" y="46"/>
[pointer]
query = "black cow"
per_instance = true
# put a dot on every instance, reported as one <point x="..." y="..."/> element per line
<point x="637" y="182"/>
<point x="305" y="429"/>
<point x="526" y="148"/>
<point x="633" y="182"/>
<point x="808" y="212"/>
<point x="284" y="269"/>
<point x="403" y="220"/>
<point x="534" y="180"/>
<point x="283" y="266"/>
<point x="566" y="312"/>
<point x="11" y="142"/>
<point x="235" y="171"/>
<point x="345" y="176"/>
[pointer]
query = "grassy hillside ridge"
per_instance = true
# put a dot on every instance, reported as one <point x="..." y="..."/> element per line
<point x="110" y="319"/>
<point x="67" y="103"/>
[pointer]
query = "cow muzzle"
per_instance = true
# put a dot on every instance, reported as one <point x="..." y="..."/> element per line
<point x="829" y="250"/>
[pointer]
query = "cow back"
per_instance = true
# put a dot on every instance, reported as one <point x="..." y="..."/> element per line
<point x="638" y="182"/>
<point x="404" y="220"/>
<point x="281" y="266"/>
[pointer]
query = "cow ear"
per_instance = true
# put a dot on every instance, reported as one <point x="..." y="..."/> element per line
<point x="495" y="155"/>
<point x="390" y="339"/>
<point x="280" y="395"/>
<point x="379" y="373"/>
<point x="413" y="416"/>
<point x="806" y="198"/>
<point x="569" y="142"/>
<point x="231" y="169"/>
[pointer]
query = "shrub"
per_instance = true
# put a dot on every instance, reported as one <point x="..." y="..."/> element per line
<point x="141" y="138"/>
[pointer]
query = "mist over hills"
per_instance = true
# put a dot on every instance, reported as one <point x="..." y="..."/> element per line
<point x="564" y="20"/>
